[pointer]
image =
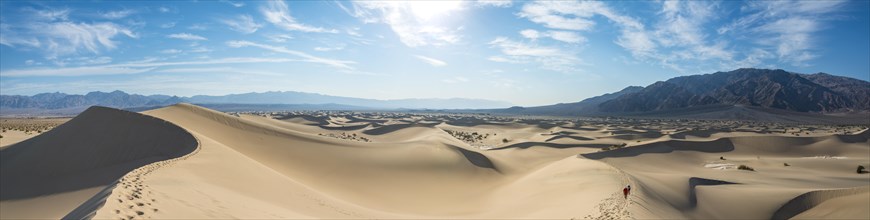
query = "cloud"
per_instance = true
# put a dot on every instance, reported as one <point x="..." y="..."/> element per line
<point x="198" y="27"/>
<point x="552" y="58"/>
<point x="186" y="36"/>
<point x="414" y="22"/>
<point x="325" y="49"/>
<point x="279" y="38"/>
<point x="234" y="4"/>
<point x="163" y="9"/>
<point x="431" y="61"/>
<point x="48" y="14"/>
<point x="277" y="13"/>
<point x="306" y="57"/>
<point x="134" y="67"/>
<point x="530" y="34"/>
<point x="677" y="35"/>
<point x="564" y="36"/>
<point x="57" y="37"/>
<point x="171" y="51"/>
<point x="117" y="14"/>
<point x="495" y="3"/>
<point x="787" y="28"/>
<point x="566" y="15"/>
<point x="243" y="23"/>
<point x="457" y="79"/>
<point x="168" y="25"/>
<point x="200" y="50"/>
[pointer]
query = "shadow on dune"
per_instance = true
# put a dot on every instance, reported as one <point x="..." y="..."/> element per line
<point x="715" y="146"/>
<point x="385" y="129"/>
<point x="476" y="158"/>
<point x="855" y="138"/>
<point x="809" y="200"/>
<point x="581" y="128"/>
<point x="468" y="122"/>
<point x="344" y="128"/>
<point x="579" y="138"/>
<point x="93" y="149"/>
<point x="353" y="119"/>
<point x="525" y="145"/>
<point x="321" y="120"/>
<point x="696" y="133"/>
<point x="695" y="181"/>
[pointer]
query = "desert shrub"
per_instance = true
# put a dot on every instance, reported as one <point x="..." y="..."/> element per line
<point x="744" y="167"/>
<point x="785" y="164"/>
<point x="861" y="169"/>
<point x="504" y="140"/>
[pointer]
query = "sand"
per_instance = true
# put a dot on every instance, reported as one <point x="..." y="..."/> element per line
<point x="186" y="161"/>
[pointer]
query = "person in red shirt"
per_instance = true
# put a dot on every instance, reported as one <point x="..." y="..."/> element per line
<point x="626" y="191"/>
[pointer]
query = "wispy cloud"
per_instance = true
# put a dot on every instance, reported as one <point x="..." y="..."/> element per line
<point x="495" y="3"/>
<point x="456" y="79"/>
<point x="279" y="38"/>
<point x="171" y="51"/>
<point x="48" y="14"/>
<point x="305" y="57"/>
<point x="117" y="14"/>
<point x="787" y="28"/>
<point x="431" y="61"/>
<point x="168" y="25"/>
<point x="134" y="67"/>
<point x="55" y="36"/>
<point x="564" y="36"/>
<point x="234" y="4"/>
<point x="413" y="21"/>
<point x="243" y="23"/>
<point x="277" y="13"/>
<point x="552" y="58"/>
<point x="198" y="27"/>
<point x="325" y="49"/>
<point x="186" y="36"/>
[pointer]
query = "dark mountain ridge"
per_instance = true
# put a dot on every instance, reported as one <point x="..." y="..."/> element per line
<point x="778" y="89"/>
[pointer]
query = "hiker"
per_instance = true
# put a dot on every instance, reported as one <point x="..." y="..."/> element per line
<point x="626" y="191"/>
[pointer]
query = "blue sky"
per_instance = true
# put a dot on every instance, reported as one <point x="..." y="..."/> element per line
<point x="526" y="53"/>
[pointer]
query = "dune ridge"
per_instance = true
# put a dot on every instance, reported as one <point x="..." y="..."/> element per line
<point x="67" y="165"/>
<point x="807" y="205"/>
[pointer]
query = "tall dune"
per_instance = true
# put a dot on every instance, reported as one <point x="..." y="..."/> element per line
<point x="51" y="174"/>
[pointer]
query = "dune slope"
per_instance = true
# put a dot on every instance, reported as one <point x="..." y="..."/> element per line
<point x="51" y="174"/>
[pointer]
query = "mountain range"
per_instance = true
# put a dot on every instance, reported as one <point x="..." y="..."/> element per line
<point x="763" y="88"/>
<point x="271" y="100"/>
<point x="757" y="89"/>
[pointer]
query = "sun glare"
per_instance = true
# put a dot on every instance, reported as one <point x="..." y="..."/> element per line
<point x="432" y="10"/>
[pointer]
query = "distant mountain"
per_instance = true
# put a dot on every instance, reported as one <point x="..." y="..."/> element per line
<point x="766" y="88"/>
<point x="587" y="106"/>
<point x="268" y="100"/>
<point x="57" y="100"/>
<point x="291" y="97"/>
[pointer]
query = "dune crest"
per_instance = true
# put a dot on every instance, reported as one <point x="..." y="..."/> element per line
<point x="70" y="164"/>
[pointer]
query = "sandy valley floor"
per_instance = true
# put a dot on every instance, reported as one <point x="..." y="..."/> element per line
<point x="185" y="161"/>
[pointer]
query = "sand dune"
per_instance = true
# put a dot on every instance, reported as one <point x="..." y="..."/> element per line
<point x="821" y="204"/>
<point x="71" y="163"/>
<point x="186" y="161"/>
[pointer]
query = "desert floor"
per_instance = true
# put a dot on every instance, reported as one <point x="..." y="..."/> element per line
<point x="185" y="161"/>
